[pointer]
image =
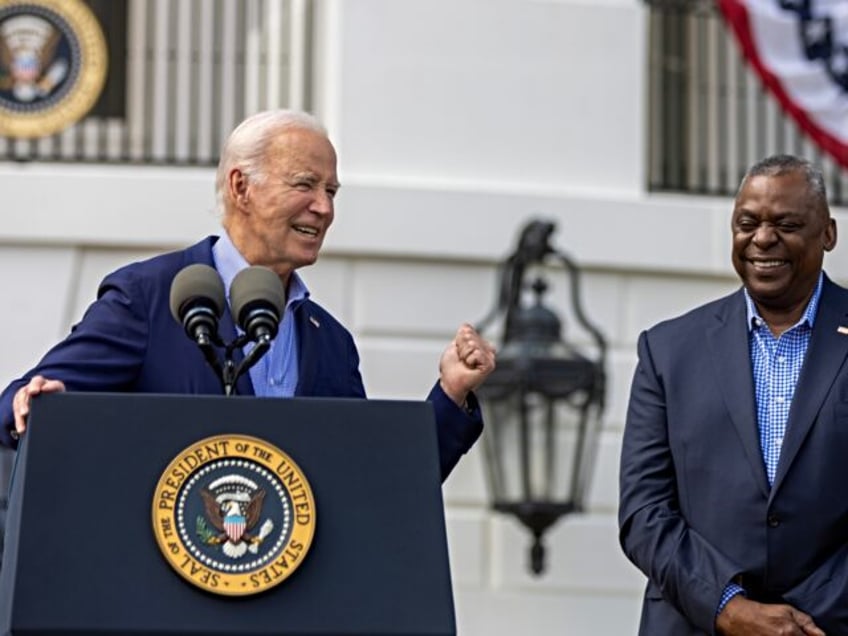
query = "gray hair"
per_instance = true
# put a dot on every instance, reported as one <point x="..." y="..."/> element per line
<point x="246" y="146"/>
<point x="779" y="165"/>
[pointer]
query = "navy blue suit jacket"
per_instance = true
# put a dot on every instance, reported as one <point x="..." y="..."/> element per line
<point x="696" y="510"/>
<point x="127" y="341"/>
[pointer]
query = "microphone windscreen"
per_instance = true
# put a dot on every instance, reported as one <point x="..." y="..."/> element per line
<point x="256" y="284"/>
<point x="196" y="282"/>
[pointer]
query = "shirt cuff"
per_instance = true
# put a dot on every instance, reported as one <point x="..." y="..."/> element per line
<point x="730" y="591"/>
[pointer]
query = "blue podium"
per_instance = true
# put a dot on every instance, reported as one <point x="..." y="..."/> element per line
<point x="86" y="554"/>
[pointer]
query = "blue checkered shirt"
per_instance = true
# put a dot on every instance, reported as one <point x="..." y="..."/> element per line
<point x="777" y="364"/>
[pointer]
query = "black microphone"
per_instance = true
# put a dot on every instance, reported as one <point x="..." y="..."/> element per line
<point x="197" y="302"/>
<point x="257" y="299"/>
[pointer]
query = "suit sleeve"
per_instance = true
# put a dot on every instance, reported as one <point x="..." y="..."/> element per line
<point x="103" y="352"/>
<point x="690" y="573"/>
<point x="824" y="594"/>
<point x="456" y="428"/>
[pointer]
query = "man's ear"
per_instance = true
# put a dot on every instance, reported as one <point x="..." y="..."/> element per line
<point x="237" y="186"/>
<point x="830" y="235"/>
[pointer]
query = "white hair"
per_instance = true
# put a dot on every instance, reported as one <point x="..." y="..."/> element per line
<point x="246" y="146"/>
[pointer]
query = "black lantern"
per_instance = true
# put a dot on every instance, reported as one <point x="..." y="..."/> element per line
<point x="543" y="402"/>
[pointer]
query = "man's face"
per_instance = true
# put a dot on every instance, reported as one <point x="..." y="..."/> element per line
<point x="779" y="240"/>
<point x="285" y="214"/>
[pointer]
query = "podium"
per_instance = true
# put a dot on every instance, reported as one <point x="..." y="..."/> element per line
<point x="81" y="555"/>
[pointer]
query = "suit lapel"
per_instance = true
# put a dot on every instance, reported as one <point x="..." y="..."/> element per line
<point x="307" y="326"/>
<point x="728" y="340"/>
<point x="825" y="356"/>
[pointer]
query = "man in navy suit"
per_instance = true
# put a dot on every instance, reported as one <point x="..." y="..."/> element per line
<point x="276" y="183"/>
<point x="735" y="448"/>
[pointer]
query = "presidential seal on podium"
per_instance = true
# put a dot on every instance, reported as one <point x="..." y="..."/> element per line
<point x="233" y="515"/>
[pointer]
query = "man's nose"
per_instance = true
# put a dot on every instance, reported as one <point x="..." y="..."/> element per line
<point x="322" y="203"/>
<point x="765" y="234"/>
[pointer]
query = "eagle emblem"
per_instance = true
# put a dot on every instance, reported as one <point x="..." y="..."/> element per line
<point x="233" y="506"/>
<point x="28" y="55"/>
<point x="53" y="63"/>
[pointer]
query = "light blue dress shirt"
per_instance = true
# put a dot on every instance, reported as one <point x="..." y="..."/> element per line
<point x="275" y="375"/>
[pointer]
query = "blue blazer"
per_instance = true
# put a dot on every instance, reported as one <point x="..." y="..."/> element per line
<point x="127" y="341"/>
<point x="696" y="510"/>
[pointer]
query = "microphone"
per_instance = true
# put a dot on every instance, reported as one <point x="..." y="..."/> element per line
<point x="197" y="302"/>
<point x="257" y="299"/>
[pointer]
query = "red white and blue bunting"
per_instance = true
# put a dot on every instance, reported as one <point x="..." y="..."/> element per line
<point x="800" y="50"/>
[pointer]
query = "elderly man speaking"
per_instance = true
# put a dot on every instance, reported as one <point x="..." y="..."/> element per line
<point x="276" y="184"/>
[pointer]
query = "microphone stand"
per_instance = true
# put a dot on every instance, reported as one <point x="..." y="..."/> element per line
<point x="229" y="372"/>
<point x="207" y="348"/>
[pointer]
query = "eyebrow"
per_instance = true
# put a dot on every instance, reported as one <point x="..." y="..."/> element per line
<point x="313" y="178"/>
<point x="779" y="213"/>
<point x="308" y="176"/>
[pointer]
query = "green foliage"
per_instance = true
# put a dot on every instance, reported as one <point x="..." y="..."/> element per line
<point x="203" y="531"/>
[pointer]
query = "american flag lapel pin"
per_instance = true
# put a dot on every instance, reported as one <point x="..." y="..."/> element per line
<point x="842" y="329"/>
<point x="315" y="322"/>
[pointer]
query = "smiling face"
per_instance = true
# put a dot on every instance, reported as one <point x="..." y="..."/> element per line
<point x="781" y="231"/>
<point x="279" y="217"/>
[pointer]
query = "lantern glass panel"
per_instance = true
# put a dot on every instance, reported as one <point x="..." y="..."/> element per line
<point x="531" y="456"/>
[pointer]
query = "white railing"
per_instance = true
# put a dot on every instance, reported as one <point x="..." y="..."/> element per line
<point x="192" y="70"/>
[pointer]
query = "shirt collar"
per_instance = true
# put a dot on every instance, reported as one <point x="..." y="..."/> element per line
<point x="229" y="262"/>
<point x="809" y="317"/>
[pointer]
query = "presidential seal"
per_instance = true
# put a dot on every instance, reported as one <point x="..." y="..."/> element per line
<point x="233" y="515"/>
<point x="53" y="64"/>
